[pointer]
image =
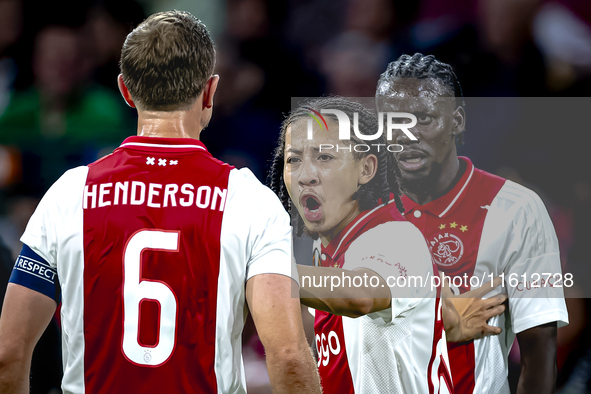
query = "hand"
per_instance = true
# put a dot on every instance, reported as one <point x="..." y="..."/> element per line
<point x="465" y="316"/>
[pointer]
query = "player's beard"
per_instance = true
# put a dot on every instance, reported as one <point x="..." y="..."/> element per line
<point x="299" y="220"/>
<point x="424" y="185"/>
<point x="312" y="234"/>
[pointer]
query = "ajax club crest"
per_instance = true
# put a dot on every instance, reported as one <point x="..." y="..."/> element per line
<point x="447" y="249"/>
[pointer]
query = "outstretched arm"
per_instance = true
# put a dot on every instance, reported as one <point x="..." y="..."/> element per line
<point x="538" y="359"/>
<point x="278" y="319"/>
<point x="25" y="315"/>
<point x="335" y="294"/>
<point x="465" y="316"/>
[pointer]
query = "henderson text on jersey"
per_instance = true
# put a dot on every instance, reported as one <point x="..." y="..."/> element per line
<point x="153" y="195"/>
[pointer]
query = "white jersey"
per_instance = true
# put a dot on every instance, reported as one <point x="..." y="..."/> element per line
<point x="152" y="246"/>
<point x="398" y="350"/>
<point x="484" y="227"/>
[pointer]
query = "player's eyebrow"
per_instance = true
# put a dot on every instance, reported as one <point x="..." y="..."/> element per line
<point x="299" y="151"/>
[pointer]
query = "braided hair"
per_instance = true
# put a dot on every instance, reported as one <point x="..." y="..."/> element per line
<point x="419" y="66"/>
<point x="381" y="187"/>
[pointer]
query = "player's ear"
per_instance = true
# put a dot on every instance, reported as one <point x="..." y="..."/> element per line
<point x="124" y="91"/>
<point x="209" y="90"/>
<point x="459" y="121"/>
<point x="369" y="167"/>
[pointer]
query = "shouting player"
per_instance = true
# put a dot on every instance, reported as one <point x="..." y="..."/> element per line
<point x="157" y="248"/>
<point x="476" y="224"/>
<point x="341" y="196"/>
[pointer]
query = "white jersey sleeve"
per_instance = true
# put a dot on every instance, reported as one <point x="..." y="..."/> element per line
<point x="55" y="215"/>
<point x="55" y="233"/>
<point x="529" y="257"/>
<point x="398" y="252"/>
<point x="253" y="205"/>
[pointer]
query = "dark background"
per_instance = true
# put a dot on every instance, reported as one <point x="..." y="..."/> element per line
<point x="59" y="104"/>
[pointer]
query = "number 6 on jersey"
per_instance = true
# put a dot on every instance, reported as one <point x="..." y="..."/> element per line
<point x="135" y="290"/>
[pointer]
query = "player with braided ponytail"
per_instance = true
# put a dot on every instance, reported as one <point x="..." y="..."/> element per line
<point x="348" y="199"/>
<point x="381" y="187"/>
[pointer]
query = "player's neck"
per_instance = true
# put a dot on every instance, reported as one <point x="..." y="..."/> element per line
<point x="173" y="124"/>
<point x="431" y="189"/>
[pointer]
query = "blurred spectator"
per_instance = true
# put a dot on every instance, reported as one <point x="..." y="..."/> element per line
<point x="241" y="79"/>
<point x="272" y="51"/>
<point x="352" y="61"/>
<point x="256" y="27"/>
<point x="210" y="12"/>
<point x="488" y="42"/>
<point x="12" y="226"/>
<point x="6" y="262"/>
<point x="63" y="117"/>
<point x="258" y="75"/>
<point x="373" y="18"/>
<point x="10" y="30"/>
<point x="506" y="26"/>
<point x="10" y="166"/>
<point x="352" y="64"/>
<point x="440" y="20"/>
<point x="61" y="102"/>
<point x="242" y="131"/>
<point x="109" y="22"/>
<point x="562" y="30"/>
<point x="311" y="24"/>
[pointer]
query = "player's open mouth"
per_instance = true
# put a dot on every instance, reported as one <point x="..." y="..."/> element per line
<point x="411" y="160"/>
<point x="312" y="208"/>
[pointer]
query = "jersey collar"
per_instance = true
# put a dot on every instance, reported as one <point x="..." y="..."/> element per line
<point x="445" y="203"/>
<point x="339" y="243"/>
<point x="175" y="144"/>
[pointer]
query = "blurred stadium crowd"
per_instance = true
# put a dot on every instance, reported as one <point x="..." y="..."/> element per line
<point x="60" y="107"/>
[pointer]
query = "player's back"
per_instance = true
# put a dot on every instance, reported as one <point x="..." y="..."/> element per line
<point x="154" y="245"/>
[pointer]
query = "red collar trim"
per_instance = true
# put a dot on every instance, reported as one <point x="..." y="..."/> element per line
<point x="157" y="142"/>
<point x="445" y="203"/>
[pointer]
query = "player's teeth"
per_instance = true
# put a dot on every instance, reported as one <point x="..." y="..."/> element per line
<point x="413" y="160"/>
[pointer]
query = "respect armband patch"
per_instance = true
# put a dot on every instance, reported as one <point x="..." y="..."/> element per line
<point x="32" y="271"/>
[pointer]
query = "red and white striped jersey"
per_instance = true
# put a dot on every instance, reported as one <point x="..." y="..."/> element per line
<point x="488" y="225"/>
<point x="398" y="350"/>
<point x="153" y="245"/>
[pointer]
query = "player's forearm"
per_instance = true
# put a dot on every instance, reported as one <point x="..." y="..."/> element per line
<point x="293" y="370"/>
<point x="538" y="378"/>
<point x="355" y="307"/>
<point x="14" y="373"/>
<point x="320" y="292"/>
<point x="318" y="299"/>
<point x="313" y="302"/>
<point x="318" y="282"/>
<point x="538" y="360"/>
<point x="25" y="315"/>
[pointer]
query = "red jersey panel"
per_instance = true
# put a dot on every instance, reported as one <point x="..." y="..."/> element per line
<point x="487" y="226"/>
<point x="152" y="223"/>
<point x="453" y="226"/>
